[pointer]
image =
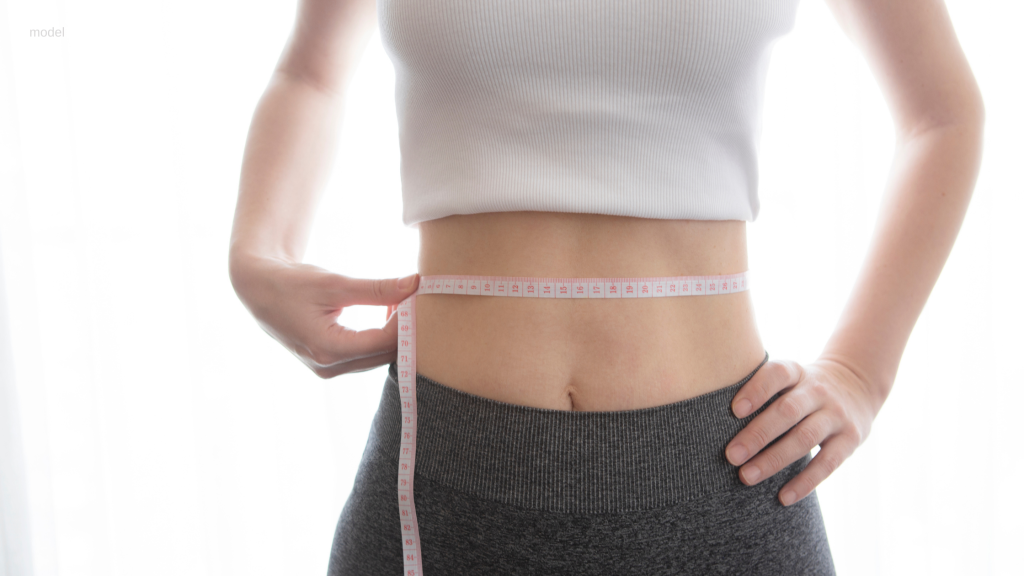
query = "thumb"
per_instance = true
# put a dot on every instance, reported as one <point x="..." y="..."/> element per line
<point x="380" y="292"/>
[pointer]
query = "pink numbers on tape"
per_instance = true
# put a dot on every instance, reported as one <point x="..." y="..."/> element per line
<point x="406" y="364"/>
<point x="513" y="287"/>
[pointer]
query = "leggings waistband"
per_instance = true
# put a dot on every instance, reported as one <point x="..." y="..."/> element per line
<point x="566" y="461"/>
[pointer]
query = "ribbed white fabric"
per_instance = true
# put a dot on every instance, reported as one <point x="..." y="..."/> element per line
<point x="649" y="109"/>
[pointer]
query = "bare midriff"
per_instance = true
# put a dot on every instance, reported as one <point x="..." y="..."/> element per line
<point x="584" y="354"/>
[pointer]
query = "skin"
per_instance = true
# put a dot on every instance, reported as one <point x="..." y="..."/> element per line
<point x="618" y="355"/>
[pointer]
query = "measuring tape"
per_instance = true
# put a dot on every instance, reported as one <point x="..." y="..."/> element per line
<point x="515" y="287"/>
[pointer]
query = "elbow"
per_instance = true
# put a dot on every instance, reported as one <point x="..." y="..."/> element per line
<point x="980" y="117"/>
<point x="967" y="117"/>
<point x="972" y="113"/>
<point x="961" y="109"/>
<point x="322" y="82"/>
<point x="970" y="120"/>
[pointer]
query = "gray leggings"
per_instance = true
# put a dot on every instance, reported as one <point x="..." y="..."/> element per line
<point x="507" y="489"/>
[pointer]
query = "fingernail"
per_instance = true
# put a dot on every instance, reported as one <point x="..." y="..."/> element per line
<point x="406" y="282"/>
<point x="737" y="454"/>
<point x="788" y="497"/>
<point x="742" y="408"/>
<point x="751" y="474"/>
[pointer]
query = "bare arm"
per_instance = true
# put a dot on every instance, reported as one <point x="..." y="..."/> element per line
<point x="294" y="129"/>
<point x="939" y="117"/>
<point x="938" y="113"/>
<point x="287" y="159"/>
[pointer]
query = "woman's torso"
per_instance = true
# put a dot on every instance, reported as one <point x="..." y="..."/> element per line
<point x="584" y="354"/>
<point x="528" y="119"/>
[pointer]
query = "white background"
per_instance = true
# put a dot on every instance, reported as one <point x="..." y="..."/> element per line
<point x="148" y="426"/>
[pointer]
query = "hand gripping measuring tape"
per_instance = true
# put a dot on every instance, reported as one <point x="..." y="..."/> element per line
<point x="514" y="287"/>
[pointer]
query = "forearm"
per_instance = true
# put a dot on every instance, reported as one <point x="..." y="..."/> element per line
<point x="287" y="158"/>
<point x="930" y="185"/>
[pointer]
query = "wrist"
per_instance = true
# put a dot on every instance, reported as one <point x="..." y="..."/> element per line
<point x="875" y="386"/>
<point x="245" y="265"/>
<point x="243" y="254"/>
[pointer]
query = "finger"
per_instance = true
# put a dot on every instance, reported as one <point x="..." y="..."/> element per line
<point x="780" y="416"/>
<point x="833" y="452"/>
<point x="374" y="291"/>
<point x="347" y="344"/>
<point x="772" y="378"/>
<point x="362" y="362"/>
<point x="794" y="445"/>
<point x="336" y="344"/>
<point x="360" y="365"/>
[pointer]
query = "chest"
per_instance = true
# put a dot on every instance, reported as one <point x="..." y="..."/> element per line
<point x="652" y="44"/>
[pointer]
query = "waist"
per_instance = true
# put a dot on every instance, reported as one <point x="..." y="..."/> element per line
<point x="573" y="462"/>
<point x="588" y="355"/>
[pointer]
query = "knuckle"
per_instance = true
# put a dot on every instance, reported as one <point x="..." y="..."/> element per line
<point x="789" y="407"/>
<point x="773" y="462"/>
<point x="841" y="412"/>
<point x="859" y="434"/>
<point x="830" y="462"/>
<point x="329" y="281"/>
<point x="319" y="357"/>
<point x="794" y="371"/>
<point x="379" y="288"/>
<point x="758" y="439"/>
<point x="777" y="371"/>
<point x="331" y="284"/>
<point x="764" y="387"/>
<point x="808" y="435"/>
<point x="782" y="371"/>
<point x="863" y="433"/>
<point x="818" y="388"/>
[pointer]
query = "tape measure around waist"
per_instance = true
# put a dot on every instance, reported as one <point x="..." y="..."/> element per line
<point x="590" y="288"/>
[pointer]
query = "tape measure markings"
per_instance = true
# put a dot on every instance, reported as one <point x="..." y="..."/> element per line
<point x="514" y="287"/>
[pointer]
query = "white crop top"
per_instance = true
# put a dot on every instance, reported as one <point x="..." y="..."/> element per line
<point x="649" y="109"/>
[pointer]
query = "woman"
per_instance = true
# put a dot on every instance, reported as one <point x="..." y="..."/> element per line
<point x="597" y="140"/>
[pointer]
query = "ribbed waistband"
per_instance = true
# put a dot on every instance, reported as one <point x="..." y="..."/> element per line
<point x="566" y="461"/>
